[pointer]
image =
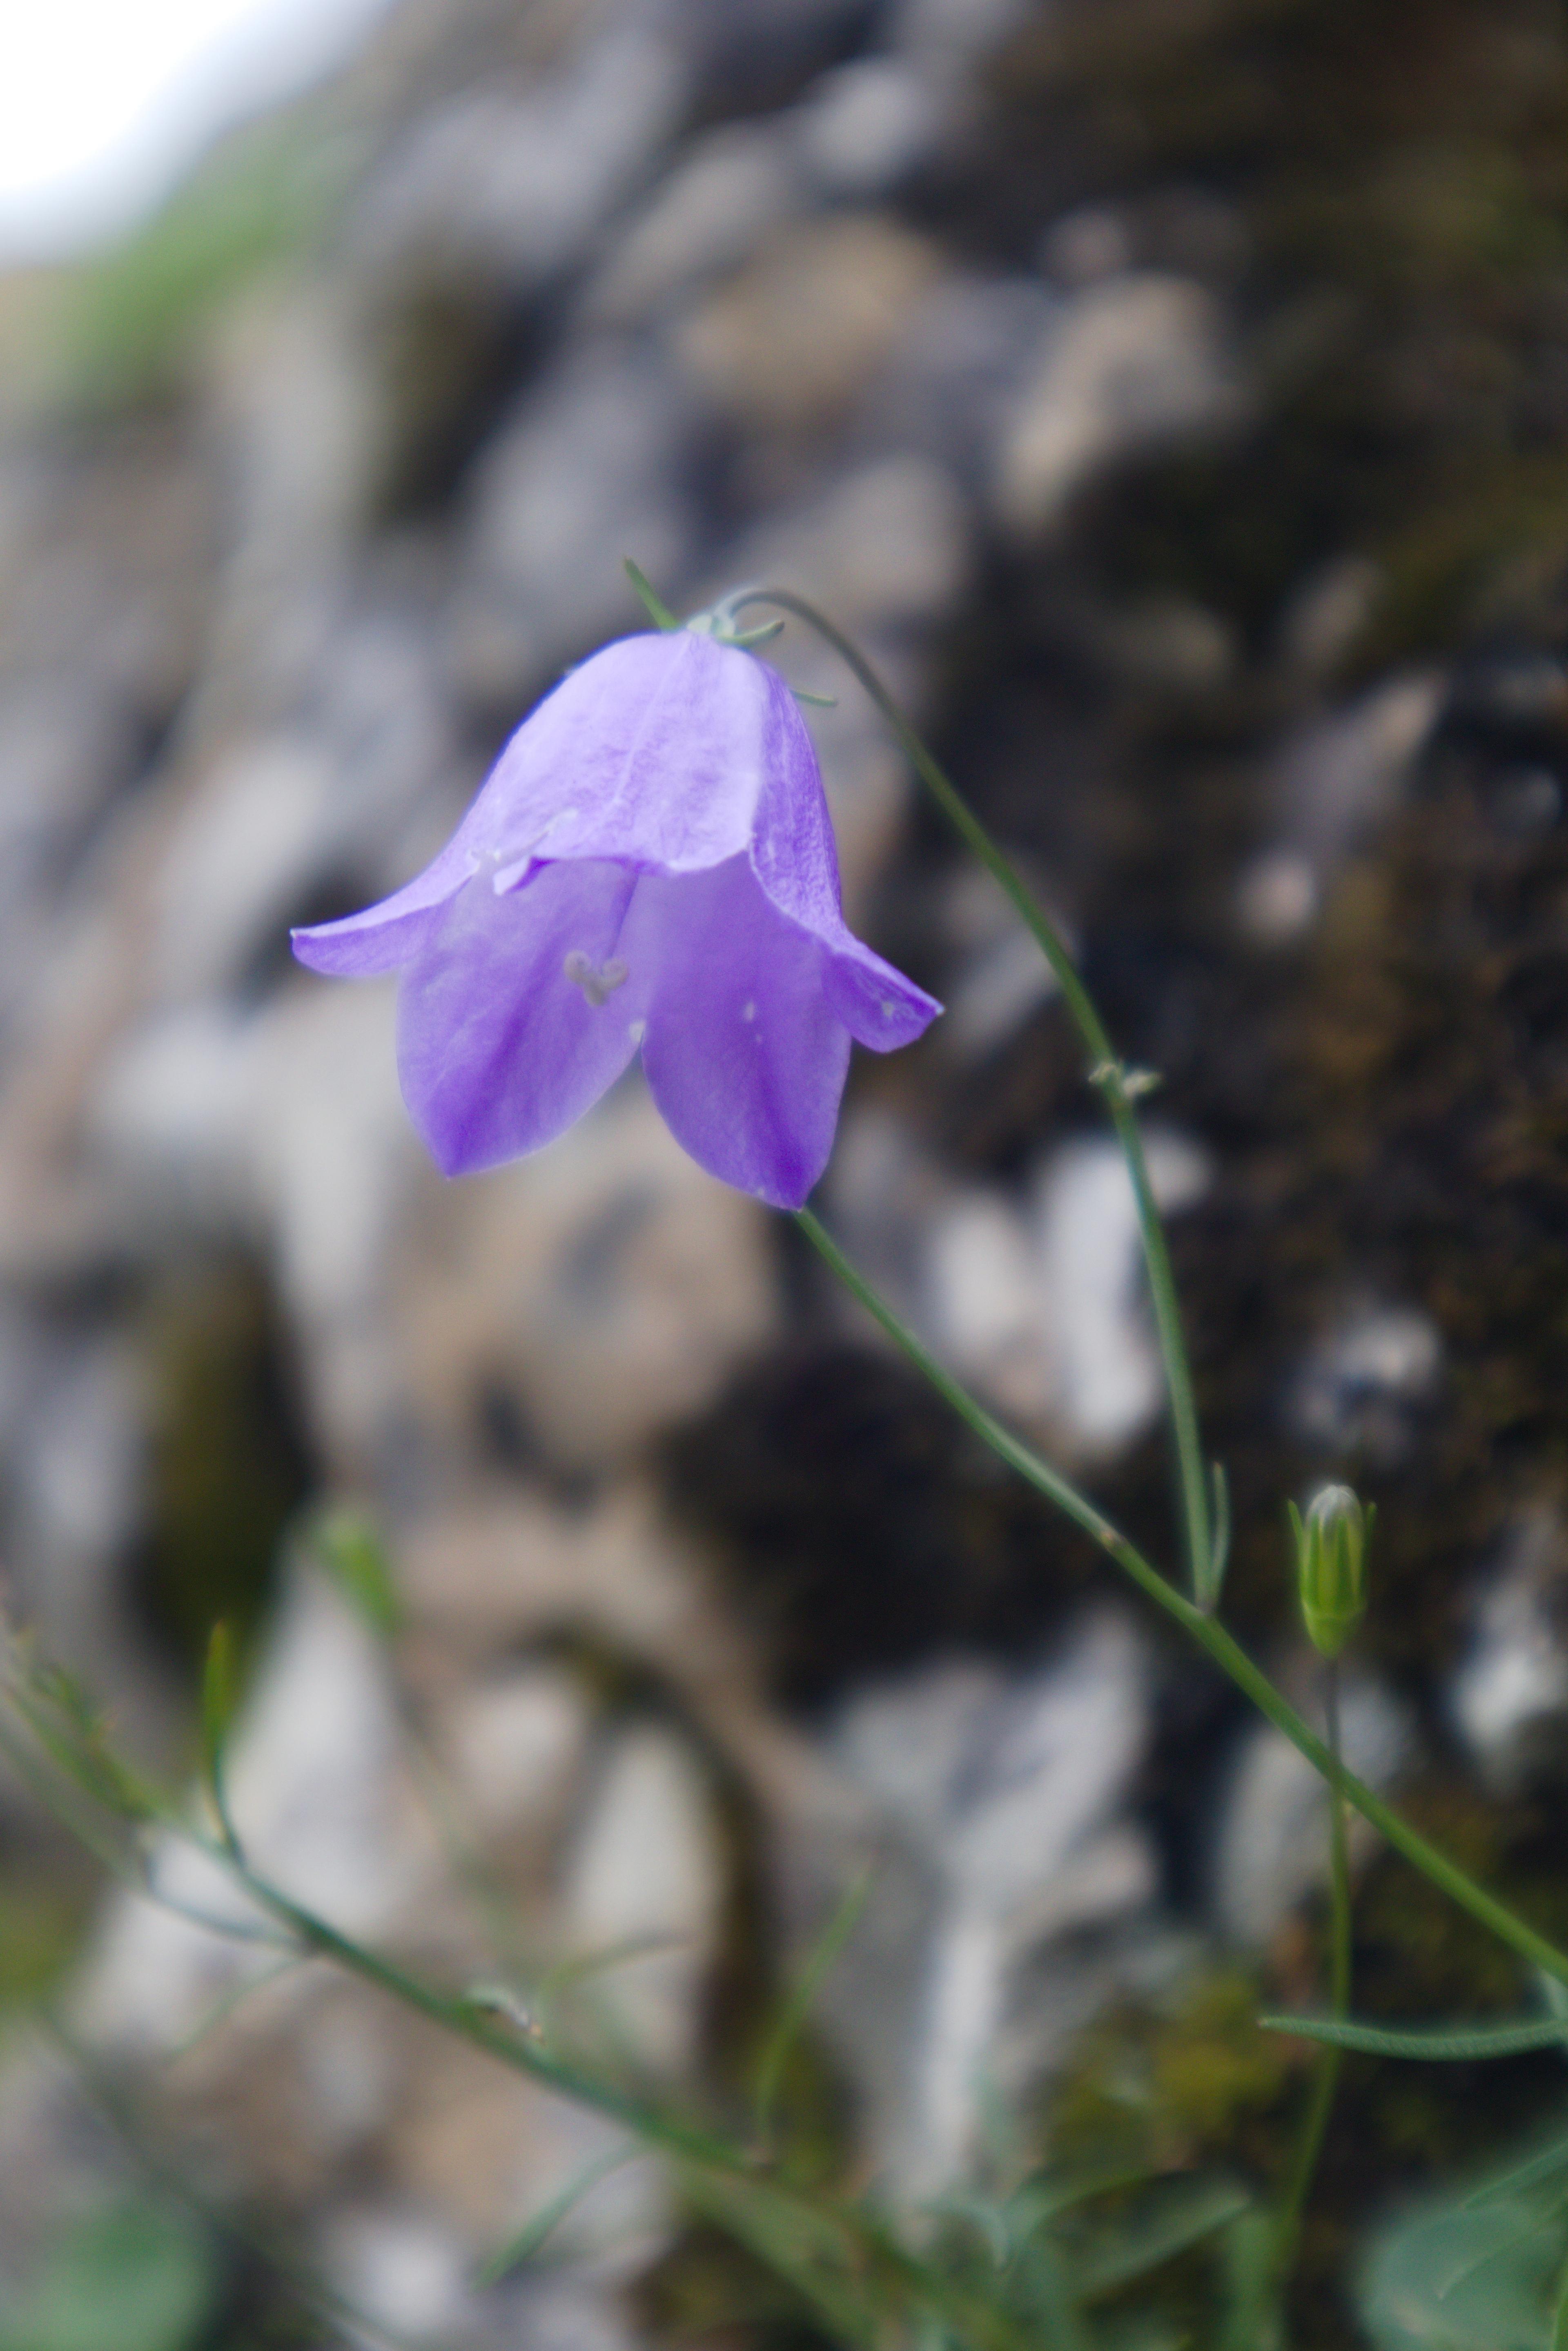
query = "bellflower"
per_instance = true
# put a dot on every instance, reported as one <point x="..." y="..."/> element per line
<point x="650" y="867"/>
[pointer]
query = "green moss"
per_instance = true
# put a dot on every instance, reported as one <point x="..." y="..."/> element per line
<point x="1172" y="2086"/>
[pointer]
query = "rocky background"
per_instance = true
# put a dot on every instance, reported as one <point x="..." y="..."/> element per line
<point x="1171" y="395"/>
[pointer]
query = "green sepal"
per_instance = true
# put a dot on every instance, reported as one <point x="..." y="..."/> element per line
<point x="658" y="611"/>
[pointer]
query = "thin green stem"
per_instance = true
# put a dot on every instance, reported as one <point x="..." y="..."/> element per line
<point x="1104" y="1069"/>
<point x="1226" y="1653"/>
<point x="1325" y="2080"/>
<point x="470" y="2023"/>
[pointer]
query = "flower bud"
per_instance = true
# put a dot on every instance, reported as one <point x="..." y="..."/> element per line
<point x="1331" y="1565"/>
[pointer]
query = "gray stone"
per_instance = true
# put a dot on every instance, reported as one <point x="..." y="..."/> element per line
<point x="1365" y="1384"/>
<point x="726" y="191"/>
<point x="790" y="344"/>
<point x="865" y="125"/>
<point x="1336" y="780"/>
<point x="587" y="474"/>
<point x="1004" y="1853"/>
<point x="953" y="31"/>
<point x="516" y="181"/>
<point x="1509" y="1695"/>
<point x="644" y="1892"/>
<point x="1129" y="363"/>
<point x="1109" y="1380"/>
<point x="312" y="1782"/>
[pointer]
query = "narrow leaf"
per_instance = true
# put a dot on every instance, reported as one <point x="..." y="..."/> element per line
<point x="1523" y="2175"/>
<point x="1219" y="1553"/>
<point x="819" y="1964"/>
<point x="355" y="1556"/>
<point x="1454" y="2044"/>
<point x="526" y="2244"/>
<point x="219" y="1680"/>
<point x="808" y="2250"/>
<point x="1182" y="2218"/>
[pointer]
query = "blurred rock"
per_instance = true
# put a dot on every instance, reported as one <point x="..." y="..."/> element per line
<point x="1128" y="363"/>
<point x="589" y="1297"/>
<point x="1328" y="613"/>
<point x="313" y="1780"/>
<point x="996" y="1807"/>
<point x="731" y="187"/>
<point x="866" y="125"/>
<point x="516" y="181"/>
<point x="590" y="472"/>
<point x="1108" y="1379"/>
<point x="1364" y="1386"/>
<point x="645" y="1894"/>
<point x="790" y="341"/>
<point x="1337" y="781"/>
<point x="1508" y="1697"/>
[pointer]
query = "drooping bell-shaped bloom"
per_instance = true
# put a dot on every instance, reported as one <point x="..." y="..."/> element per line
<point x="650" y="867"/>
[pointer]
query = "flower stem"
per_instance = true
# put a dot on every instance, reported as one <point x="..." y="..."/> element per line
<point x="1103" y="1068"/>
<point x="1287" y="2227"/>
<point x="1205" y="1629"/>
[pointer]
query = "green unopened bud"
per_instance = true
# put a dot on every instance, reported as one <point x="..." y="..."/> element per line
<point x="1332" y="1543"/>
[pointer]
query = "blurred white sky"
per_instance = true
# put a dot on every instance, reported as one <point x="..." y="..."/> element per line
<point x="104" y="102"/>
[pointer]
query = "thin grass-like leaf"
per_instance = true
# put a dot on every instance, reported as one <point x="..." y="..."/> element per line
<point x="1176" y="2223"/>
<point x="221" y="2010"/>
<point x="1523" y="2177"/>
<point x="821" y="1962"/>
<point x="807" y="2251"/>
<point x="1219" y="1540"/>
<point x="347" y="1547"/>
<point x="1452" y="2044"/>
<point x="525" y="2246"/>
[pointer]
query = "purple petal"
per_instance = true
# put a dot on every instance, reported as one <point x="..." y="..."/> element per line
<point x="383" y="937"/>
<point x="876" y="1004"/>
<point x="653" y="752"/>
<point x="744" y="1056"/>
<point x="796" y="862"/>
<point x="498" y="1050"/>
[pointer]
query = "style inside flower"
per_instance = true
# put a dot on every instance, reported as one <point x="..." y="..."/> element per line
<point x="650" y="867"/>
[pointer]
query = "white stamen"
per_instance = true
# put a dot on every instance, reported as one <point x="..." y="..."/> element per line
<point x="598" y="982"/>
<point x="636" y="1031"/>
<point x="749" y="1011"/>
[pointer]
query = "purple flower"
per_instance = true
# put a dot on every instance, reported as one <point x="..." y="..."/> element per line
<point x="650" y="866"/>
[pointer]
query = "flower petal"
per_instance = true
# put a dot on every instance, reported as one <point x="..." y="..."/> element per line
<point x="653" y="752"/>
<point x="745" y="1056"/>
<point x="876" y="1004"/>
<point x="380" y="937"/>
<point x="795" y="860"/>
<point x="498" y="1048"/>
